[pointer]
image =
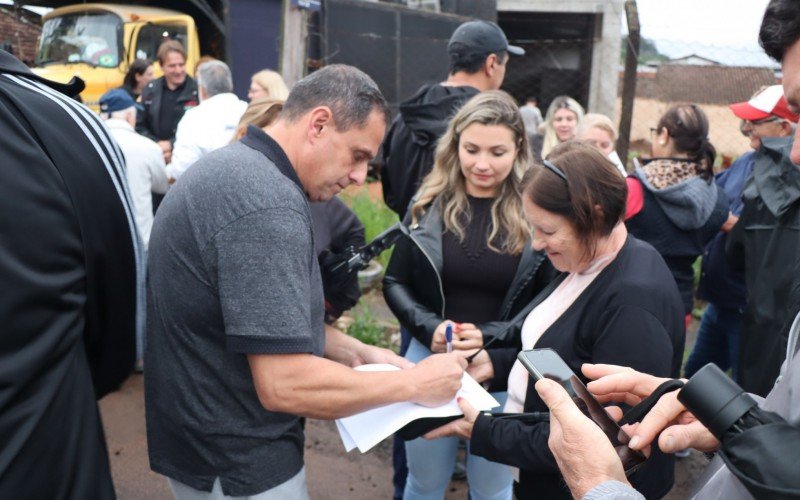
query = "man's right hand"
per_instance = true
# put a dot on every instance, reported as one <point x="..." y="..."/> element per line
<point x="583" y="453"/>
<point x="436" y="379"/>
<point x="669" y="421"/>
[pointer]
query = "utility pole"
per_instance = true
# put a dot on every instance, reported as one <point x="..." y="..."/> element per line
<point x="629" y="80"/>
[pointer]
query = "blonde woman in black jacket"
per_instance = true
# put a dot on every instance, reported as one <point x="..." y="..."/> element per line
<point x="466" y="261"/>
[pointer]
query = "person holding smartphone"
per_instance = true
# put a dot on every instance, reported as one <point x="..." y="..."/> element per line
<point x="466" y="262"/>
<point x="615" y="302"/>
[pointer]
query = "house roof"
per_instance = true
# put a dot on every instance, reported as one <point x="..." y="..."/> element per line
<point x="692" y="59"/>
<point x="702" y="84"/>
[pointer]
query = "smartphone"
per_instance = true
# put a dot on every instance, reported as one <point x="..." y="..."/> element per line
<point x="546" y="363"/>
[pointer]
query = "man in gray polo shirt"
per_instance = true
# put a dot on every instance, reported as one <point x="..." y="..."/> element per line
<point x="235" y="307"/>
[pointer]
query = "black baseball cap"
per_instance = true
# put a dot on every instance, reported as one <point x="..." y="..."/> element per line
<point x="481" y="37"/>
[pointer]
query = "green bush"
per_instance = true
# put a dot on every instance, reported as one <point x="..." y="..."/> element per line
<point x="375" y="216"/>
<point x="366" y="327"/>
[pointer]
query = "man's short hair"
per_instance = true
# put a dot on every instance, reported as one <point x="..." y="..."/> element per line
<point x="347" y="91"/>
<point x="468" y="62"/>
<point x="215" y="77"/>
<point x="170" y="46"/>
<point x="780" y="28"/>
<point x="122" y="114"/>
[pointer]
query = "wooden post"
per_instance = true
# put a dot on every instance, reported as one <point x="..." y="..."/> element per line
<point x="294" y="43"/>
<point x="629" y="81"/>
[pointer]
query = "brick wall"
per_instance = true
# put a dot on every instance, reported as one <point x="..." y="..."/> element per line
<point x="21" y="34"/>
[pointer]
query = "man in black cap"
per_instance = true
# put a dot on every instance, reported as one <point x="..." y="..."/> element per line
<point x="478" y="52"/>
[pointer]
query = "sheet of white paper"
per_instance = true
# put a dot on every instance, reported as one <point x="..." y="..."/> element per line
<point x="348" y="442"/>
<point x="369" y="428"/>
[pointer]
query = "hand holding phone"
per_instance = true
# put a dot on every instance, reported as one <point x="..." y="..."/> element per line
<point x="546" y="363"/>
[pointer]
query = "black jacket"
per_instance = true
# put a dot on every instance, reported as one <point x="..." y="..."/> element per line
<point x="149" y="114"/>
<point x="413" y="289"/>
<point x="679" y="221"/>
<point x="69" y="272"/>
<point x="410" y="143"/>
<point x="765" y="243"/>
<point x="630" y="315"/>
<point x="336" y="229"/>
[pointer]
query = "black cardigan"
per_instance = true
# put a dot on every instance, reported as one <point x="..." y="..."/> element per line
<point x="630" y="315"/>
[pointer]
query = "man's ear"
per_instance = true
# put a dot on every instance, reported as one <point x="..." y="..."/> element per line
<point x="490" y="64"/>
<point x="786" y="128"/>
<point x="319" y="119"/>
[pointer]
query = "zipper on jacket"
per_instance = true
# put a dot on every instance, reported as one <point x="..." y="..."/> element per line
<point x="438" y="278"/>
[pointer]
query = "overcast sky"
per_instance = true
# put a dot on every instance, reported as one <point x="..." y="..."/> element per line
<point x="723" y="30"/>
<point x="720" y="22"/>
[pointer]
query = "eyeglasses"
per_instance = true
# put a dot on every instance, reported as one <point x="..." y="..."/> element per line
<point x="549" y="166"/>
<point x="653" y="130"/>
<point x="763" y="120"/>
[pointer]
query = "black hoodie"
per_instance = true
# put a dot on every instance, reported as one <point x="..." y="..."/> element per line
<point x="410" y="144"/>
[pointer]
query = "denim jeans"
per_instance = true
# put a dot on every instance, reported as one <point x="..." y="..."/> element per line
<point x="717" y="340"/>
<point x="399" y="465"/>
<point x="431" y="463"/>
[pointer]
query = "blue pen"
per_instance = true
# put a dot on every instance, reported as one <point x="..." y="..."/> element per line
<point x="448" y="336"/>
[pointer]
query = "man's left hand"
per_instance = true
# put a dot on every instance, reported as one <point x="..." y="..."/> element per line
<point x="369" y="354"/>
<point x="584" y="454"/>
<point x="461" y="427"/>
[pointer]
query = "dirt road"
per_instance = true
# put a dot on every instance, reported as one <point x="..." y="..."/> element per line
<point x="332" y="473"/>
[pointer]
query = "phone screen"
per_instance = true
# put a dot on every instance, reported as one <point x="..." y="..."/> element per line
<point x="546" y="363"/>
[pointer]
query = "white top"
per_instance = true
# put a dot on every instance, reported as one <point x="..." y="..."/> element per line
<point x="204" y="128"/>
<point x="145" y="171"/>
<point x="541" y="318"/>
<point x="615" y="159"/>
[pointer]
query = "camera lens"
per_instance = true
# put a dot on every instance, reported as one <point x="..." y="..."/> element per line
<point x="715" y="400"/>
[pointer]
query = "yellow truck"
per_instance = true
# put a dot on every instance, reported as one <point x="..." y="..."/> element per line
<point x="98" y="42"/>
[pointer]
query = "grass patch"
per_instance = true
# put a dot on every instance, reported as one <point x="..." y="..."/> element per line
<point x="367" y="328"/>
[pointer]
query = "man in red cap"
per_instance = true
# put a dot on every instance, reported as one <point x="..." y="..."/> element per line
<point x="766" y="114"/>
<point x="764" y="241"/>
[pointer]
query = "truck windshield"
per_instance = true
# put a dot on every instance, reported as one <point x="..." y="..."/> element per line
<point x="85" y="37"/>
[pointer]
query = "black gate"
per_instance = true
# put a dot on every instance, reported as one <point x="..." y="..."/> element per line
<point x="400" y="48"/>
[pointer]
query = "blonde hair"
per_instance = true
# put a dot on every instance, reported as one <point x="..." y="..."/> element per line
<point x="272" y="82"/>
<point x="446" y="184"/>
<point x="260" y="113"/>
<point x="550" y="137"/>
<point x="596" y="120"/>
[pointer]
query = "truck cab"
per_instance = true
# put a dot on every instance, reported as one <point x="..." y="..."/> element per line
<point x="98" y="42"/>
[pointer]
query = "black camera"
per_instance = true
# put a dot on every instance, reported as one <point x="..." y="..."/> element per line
<point x="759" y="447"/>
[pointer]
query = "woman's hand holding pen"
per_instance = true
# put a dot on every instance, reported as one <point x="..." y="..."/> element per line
<point x="465" y="336"/>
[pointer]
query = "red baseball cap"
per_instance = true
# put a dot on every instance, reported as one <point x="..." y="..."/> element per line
<point x="770" y="102"/>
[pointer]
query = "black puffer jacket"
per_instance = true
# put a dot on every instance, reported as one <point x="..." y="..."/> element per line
<point x="413" y="289"/>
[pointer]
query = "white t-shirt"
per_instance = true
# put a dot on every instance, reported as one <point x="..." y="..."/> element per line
<point x="145" y="171"/>
<point x="204" y="128"/>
